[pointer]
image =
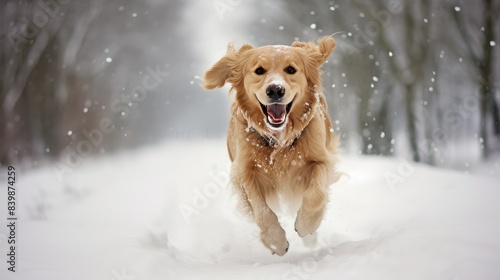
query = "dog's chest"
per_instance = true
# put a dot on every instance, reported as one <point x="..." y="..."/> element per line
<point x="277" y="162"/>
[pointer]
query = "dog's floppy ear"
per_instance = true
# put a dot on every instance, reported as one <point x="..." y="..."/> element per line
<point x="319" y="52"/>
<point x="223" y="70"/>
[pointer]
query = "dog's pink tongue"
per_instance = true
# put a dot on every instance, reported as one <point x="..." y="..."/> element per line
<point x="276" y="113"/>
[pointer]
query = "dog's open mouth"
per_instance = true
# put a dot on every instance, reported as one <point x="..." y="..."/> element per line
<point x="276" y="113"/>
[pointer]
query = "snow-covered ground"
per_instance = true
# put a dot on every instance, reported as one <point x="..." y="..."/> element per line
<point x="166" y="212"/>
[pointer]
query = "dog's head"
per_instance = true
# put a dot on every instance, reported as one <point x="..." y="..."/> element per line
<point x="276" y="87"/>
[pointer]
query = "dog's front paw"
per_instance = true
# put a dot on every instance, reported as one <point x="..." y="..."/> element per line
<point x="275" y="240"/>
<point x="307" y="224"/>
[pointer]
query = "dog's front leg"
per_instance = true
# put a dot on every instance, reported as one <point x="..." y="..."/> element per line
<point x="314" y="200"/>
<point x="271" y="233"/>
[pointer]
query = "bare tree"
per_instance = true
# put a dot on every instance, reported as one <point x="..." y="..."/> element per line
<point x="28" y="31"/>
<point x="478" y="52"/>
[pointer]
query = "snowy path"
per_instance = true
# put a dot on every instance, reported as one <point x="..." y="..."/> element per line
<point x="166" y="213"/>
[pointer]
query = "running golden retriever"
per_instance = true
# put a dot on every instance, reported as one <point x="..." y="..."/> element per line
<point x="280" y="138"/>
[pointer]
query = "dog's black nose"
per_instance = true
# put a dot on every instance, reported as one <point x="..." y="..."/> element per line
<point x="275" y="92"/>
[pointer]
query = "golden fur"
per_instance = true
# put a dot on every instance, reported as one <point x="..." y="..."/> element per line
<point x="275" y="156"/>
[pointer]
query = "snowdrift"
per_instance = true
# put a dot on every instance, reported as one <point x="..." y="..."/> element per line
<point x="166" y="212"/>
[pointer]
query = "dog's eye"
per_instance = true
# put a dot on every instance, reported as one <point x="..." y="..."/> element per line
<point x="260" y="71"/>
<point x="290" y="70"/>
